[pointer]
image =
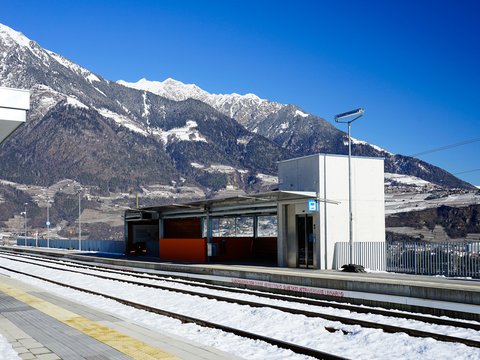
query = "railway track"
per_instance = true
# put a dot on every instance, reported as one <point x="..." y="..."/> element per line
<point x="344" y="320"/>
<point x="187" y="319"/>
<point x="263" y="294"/>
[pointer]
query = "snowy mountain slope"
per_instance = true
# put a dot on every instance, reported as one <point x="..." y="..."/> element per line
<point x="247" y="109"/>
<point x="295" y="130"/>
<point x="123" y="138"/>
<point x="183" y="131"/>
<point x="186" y="121"/>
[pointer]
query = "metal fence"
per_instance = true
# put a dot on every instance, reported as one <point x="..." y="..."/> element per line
<point x="106" y="246"/>
<point x="370" y="254"/>
<point x="460" y="259"/>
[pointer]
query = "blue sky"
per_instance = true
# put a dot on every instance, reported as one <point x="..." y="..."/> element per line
<point x="413" y="65"/>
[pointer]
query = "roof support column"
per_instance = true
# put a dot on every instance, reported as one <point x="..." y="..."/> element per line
<point x="281" y="235"/>
<point x="208" y="222"/>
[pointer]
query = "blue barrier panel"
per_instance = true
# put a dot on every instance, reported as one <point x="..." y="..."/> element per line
<point x="106" y="246"/>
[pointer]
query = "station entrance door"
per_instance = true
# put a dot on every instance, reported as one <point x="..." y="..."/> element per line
<point x="305" y="240"/>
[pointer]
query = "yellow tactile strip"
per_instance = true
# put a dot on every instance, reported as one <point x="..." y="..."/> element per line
<point x="134" y="348"/>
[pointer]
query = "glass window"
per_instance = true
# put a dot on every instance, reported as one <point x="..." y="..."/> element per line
<point x="267" y="226"/>
<point x="230" y="227"/>
<point x="244" y="226"/>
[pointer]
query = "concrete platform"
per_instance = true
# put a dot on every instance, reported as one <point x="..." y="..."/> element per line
<point x="40" y="325"/>
<point x="453" y="297"/>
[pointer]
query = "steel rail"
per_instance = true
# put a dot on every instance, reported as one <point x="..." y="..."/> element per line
<point x="265" y="294"/>
<point x="347" y="321"/>
<point x="188" y="319"/>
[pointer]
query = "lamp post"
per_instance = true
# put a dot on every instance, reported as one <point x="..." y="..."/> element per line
<point x="25" y="213"/>
<point x="79" y="220"/>
<point x="341" y="118"/>
<point x="48" y="223"/>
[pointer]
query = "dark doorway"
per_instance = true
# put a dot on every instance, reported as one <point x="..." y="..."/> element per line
<point x="143" y="238"/>
<point x="305" y="240"/>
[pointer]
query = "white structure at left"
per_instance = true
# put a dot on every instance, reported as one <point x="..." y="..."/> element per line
<point x="14" y="104"/>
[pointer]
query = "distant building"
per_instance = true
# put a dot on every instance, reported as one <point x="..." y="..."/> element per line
<point x="303" y="224"/>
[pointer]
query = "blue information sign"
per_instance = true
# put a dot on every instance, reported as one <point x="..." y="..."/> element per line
<point x="312" y="205"/>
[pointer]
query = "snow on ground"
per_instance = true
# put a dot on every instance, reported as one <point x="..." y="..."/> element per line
<point x="360" y="343"/>
<point x="6" y="350"/>
<point x="414" y="200"/>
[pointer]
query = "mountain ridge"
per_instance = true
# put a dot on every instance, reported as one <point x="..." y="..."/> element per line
<point x="113" y="141"/>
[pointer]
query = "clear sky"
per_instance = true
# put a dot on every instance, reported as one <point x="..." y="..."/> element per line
<point x="414" y="65"/>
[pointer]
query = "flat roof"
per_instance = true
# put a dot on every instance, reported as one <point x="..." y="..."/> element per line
<point x="333" y="155"/>
<point x="259" y="203"/>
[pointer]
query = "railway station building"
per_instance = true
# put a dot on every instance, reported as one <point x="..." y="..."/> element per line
<point x="305" y="223"/>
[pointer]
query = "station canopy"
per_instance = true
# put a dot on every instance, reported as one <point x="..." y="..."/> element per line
<point x="240" y="205"/>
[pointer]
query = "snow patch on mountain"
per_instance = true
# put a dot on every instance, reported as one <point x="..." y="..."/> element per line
<point x="146" y="106"/>
<point x="197" y="165"/>
<point x="300" y="113"/>
<point x="189" y="132"/>
<point x="218" y="168"/>
<point x="405" y="179"/>
<point x="76" y="103"/>
<point x="224" y="169"/>
<point x="122" y="120"/>
<point x="244" y="140"/>
<point x="361" y="142"/>
<point x="267" y="178"/>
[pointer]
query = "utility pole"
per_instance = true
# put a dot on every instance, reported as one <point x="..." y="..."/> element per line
<point x="79" y="220"/>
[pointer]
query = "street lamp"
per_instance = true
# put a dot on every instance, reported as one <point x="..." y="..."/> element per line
<point x="48" y="223"/>
<point x="79" y="220"/>
<point x="25" y="224"/>
<point x="342" y="118"/>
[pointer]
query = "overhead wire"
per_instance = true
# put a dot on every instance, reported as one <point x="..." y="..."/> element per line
<point x="446" y="147"/>
<point x="450" y="146"/>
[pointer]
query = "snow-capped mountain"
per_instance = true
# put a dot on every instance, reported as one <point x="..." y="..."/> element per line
<point x="157" y="132"/>
<point x="164" y="138"/>
<point x="247" y="109"/>
<point x="79" y="122"/>
<point x="293" y="129"/>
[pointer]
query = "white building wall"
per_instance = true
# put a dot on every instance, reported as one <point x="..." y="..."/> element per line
<point x="328" y="176"/>
<point x="14" y="104"/>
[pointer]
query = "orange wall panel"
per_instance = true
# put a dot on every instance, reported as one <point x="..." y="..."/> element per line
<point x="192" y="250"/>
